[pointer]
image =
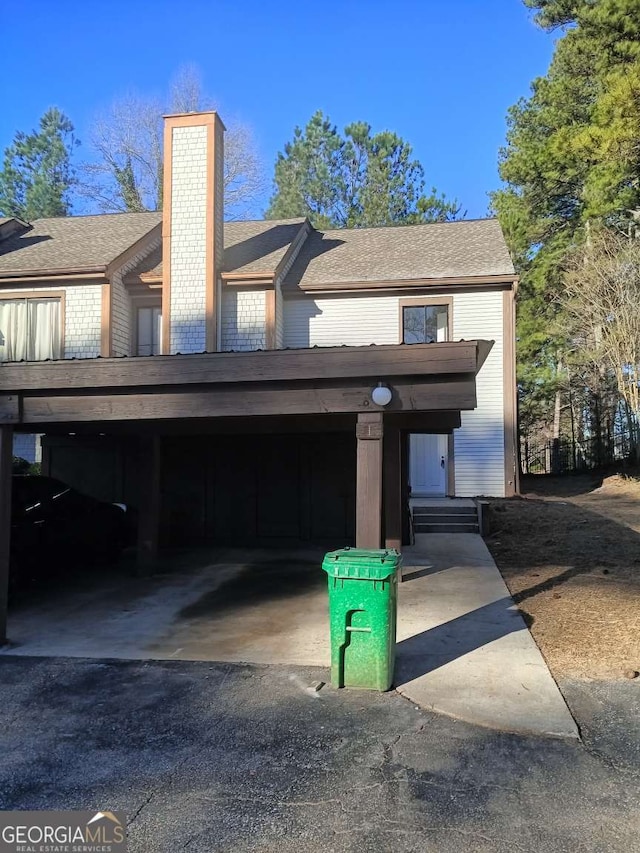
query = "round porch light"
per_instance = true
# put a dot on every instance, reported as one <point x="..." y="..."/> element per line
<point x="381" y="395"/>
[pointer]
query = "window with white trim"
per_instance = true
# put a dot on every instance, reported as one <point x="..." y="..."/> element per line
<point x="30" y="329"/>
<point x="148" y="330"/>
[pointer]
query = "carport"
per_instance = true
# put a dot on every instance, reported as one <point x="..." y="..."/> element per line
<point x="148" y="404"/>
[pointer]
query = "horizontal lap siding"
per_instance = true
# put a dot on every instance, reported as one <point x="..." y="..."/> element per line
<point x="334" y="321"/>
<point x="355" y="320"/>
<point x="479" y="443"/>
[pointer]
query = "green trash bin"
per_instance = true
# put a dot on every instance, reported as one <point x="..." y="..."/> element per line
<point x="362" y="614"/>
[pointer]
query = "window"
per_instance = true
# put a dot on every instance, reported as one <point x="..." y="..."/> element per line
<point x="30" y="329"/>
<point x="149" y="330"/>
<point x="425" y="324"/>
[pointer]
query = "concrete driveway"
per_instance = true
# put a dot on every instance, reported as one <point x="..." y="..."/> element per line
<point x="224" y="758"/>
<point x="463" y="648"/>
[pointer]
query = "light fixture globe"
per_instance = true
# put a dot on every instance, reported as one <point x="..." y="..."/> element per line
<point x="381" y="395"/>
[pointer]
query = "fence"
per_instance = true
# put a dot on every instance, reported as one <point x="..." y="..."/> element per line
<point x="564" y="455"/>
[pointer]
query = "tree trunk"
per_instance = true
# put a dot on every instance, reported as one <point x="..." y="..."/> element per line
<point x="555" y="451"/>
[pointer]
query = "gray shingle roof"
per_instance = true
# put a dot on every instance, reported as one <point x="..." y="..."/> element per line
<point x="74" y="242"/>
<point x="258" y="246"/>
<point x="439" y="250"/>
<point x="254" y="246"/>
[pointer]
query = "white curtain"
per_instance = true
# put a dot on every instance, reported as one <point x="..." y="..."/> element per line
<point x="44" y="329"/>
<point x="13" y="329"/>
<point x="29" y="329"/>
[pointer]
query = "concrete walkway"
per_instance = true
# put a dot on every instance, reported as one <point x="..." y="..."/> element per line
<point x="463" y="648"/>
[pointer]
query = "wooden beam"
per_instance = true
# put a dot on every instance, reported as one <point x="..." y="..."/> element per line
<point x="375" y="362"/>
<point x="270" y="297"/>
<point x="6" y="465"/>
<point x="106" y="320"/>
<point x="405" y="489"/>
<point x="424" y="422"/>
<point x="510" y="396"/>
<point x="9" y="409"/>
<point x="416" y="422"/>
<point x="369" y="432"/>
<point x="392" y="484"/>
<point x="290" y="424"/>
<point x="242" y="401"/>
<point x="149" y="506"/>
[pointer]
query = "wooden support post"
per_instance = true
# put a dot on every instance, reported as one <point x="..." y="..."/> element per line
<point x="369" y="480"/>
<point x="149" y="509"/>
<point x="405" y="489"/>
<point x="45" y="461"/>
<point x="392" y="482"/>
<point x="6" y="465"/>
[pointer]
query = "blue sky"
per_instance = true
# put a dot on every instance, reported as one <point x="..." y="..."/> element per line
<point x="441" y="73"/>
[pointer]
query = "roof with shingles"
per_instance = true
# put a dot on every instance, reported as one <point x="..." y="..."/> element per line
<point x="74" y="242"/>
<point x="252" y="246"/>
<point x="432" y="251"/>
<point x="437" y="250"/>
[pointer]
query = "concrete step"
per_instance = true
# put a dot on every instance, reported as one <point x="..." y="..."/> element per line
<point x="444" y="509"/>
<point x="450" y="518"/>
<point x="462" y="527"/>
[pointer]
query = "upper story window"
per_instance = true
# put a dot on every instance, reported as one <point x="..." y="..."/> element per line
<point x="30" y="328"/>
<point x="148" y="330"/>
<point x="425" y="324"/>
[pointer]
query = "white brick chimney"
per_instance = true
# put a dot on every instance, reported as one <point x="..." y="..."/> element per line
<point x="192" y="231"/>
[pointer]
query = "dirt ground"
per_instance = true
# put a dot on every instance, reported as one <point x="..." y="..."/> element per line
<point x="569" y="551"/>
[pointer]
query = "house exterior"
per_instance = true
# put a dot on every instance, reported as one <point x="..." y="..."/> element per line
<point x="86" y="297"/>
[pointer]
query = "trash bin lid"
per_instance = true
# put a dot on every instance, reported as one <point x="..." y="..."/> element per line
<point x="363" y="563"/>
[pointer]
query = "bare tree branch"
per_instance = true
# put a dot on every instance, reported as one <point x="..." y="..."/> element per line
<point x="602" y="295"/>
<point x="126" y="139"/>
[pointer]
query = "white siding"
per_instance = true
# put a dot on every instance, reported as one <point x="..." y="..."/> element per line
<point x="243" y="319"/>
<point x="83" y="321"/>
<point x="298" y="243"/>
<point x="335" y="320"/>
<point x="357" y="320"/>
<point x="479" y="443"/>
<point x="121" y="307"/>
<point x="279" y="315"/>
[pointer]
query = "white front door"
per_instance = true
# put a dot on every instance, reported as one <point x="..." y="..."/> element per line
<point x="428" y="465"/>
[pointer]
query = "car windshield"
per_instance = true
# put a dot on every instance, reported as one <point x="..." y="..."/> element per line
<point x="27" y="491"/>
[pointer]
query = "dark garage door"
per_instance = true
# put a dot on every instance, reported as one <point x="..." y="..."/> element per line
<point x="259" y="489"/>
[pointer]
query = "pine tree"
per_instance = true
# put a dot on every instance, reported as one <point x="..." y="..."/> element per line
<point x="37" y="174"/>
<point x="356" y="180"/>
<point x="572" y="158"/>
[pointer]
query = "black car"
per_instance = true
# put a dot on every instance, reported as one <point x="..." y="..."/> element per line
<point x="55" y="527"/>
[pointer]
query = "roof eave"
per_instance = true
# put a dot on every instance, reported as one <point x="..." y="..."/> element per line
<point x="69" y="273"/>
<point x="405" y="283"/>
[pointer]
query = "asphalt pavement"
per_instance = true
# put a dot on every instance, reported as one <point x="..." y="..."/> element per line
<point x="212" y="757"/>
